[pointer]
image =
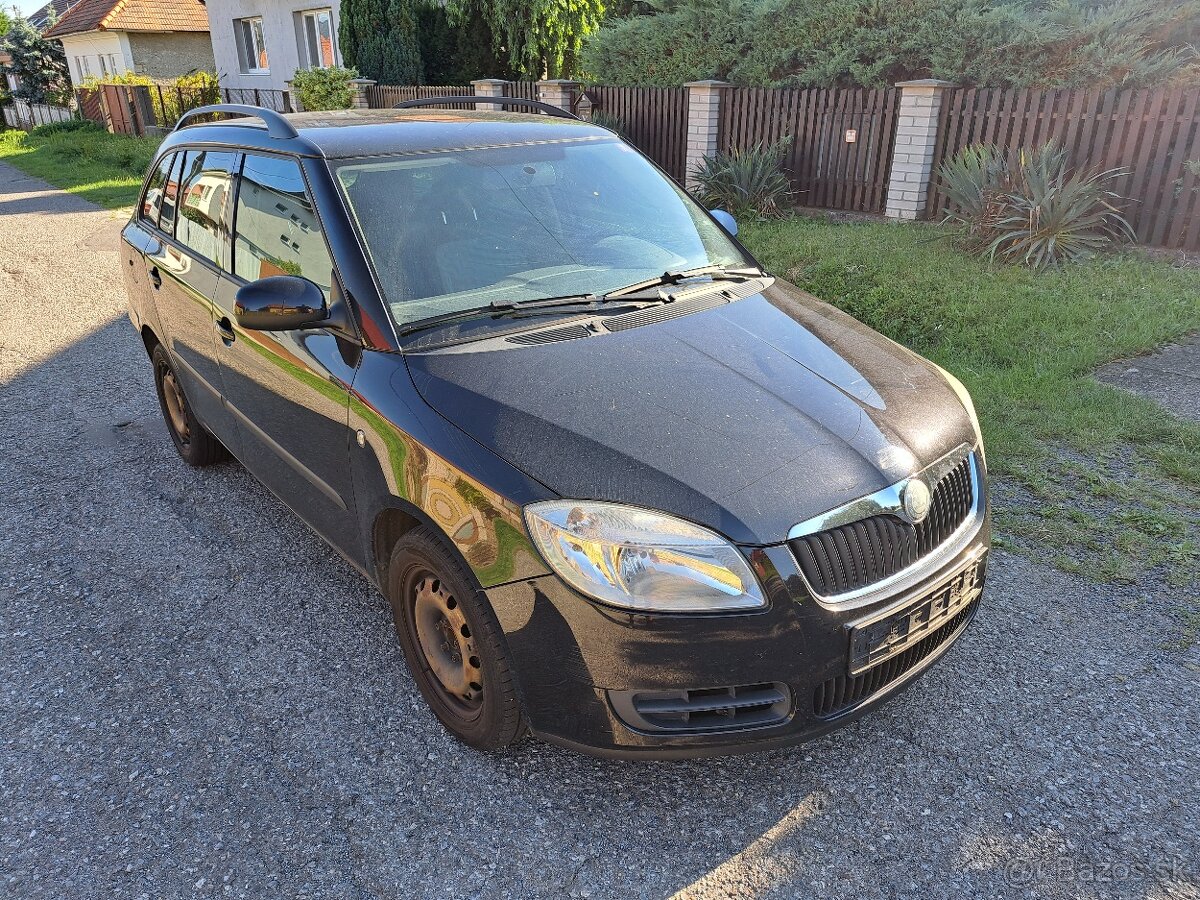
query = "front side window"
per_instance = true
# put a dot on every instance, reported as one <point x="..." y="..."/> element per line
<point x="152" y="200"/>
<point x="457" y="230"/>
<point x="252" y="46"/>
<point x="203" y="198"/>
<point x="277" y="228"/>
<point x="316" y="27"/>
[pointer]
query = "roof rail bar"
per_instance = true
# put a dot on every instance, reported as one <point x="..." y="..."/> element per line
<point x="547" y="108"/>
<point x="277" y="125"/>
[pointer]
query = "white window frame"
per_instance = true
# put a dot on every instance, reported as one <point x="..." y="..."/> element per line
<point x="310" y="18"/>
<point x="245" y="31"/>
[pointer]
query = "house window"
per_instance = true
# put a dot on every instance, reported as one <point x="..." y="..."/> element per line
<point x="316" y="28"/>
<point x="103" y="65"/>
<point x="252" y="47"/>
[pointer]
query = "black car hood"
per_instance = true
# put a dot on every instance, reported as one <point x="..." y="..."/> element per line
<point x="747" y="418"/>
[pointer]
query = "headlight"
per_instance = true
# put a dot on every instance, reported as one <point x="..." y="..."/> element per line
<point x="642" y="560"/>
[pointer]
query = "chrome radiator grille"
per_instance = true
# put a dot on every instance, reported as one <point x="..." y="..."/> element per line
<point x="855" y="555"/>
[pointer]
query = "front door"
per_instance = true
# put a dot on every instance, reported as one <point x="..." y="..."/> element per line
<point x="289" y="390"/>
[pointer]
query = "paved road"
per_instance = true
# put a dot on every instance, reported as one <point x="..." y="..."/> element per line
<point x="1171" y="377"/>
<point x="197" y="699"/>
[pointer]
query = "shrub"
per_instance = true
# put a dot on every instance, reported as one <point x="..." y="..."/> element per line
<point x="67" y="125"/>
<point x="320" y="89"/>
<point x="379" y="39"/>
<point x="1024" y="206"/>
<point x="826" y="43"/>
<point x="746" y="182"/>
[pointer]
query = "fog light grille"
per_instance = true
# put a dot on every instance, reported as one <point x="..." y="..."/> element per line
<point x="843" y="693"/>
<point x="704" y="709"/>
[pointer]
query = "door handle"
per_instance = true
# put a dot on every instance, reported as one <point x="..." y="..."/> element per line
<point x="225" y="327"/>
<point x="155" y="277"/>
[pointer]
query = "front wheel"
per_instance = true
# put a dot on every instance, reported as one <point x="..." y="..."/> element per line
<point x="453" y="643"/>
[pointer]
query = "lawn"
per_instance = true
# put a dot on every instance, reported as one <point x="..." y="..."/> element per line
<point x="1090" y="478"/>
<point x="104" y="168"/>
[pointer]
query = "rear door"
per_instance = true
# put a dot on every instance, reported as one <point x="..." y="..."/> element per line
<point x="184" y="268"/>
<point x="289" y="390"/>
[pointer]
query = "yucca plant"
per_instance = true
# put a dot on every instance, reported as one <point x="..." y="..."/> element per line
<point x="1023" y="206"/>
<point x="613" y="123"/>
<point x="747" y="182"/>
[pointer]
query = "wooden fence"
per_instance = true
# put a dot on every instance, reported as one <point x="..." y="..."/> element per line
<point x="136" y="109"/>
<point x="1153" y="134"/>
<point x="653" y="119"/>
<point x="385" y="96"/>
<point x="840" y="147"/>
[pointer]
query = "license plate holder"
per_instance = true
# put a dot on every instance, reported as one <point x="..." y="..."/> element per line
<point x="879" y="638"/>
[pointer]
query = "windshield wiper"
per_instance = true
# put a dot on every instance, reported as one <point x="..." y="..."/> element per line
<point x="522" y="308"/>
<point x="718" y="273"/>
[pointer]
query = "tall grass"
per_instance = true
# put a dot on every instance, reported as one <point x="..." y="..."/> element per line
<point x="104" y="168"/>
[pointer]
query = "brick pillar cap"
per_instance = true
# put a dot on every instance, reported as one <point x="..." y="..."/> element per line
<point x="489" y="81"/>
<point x="926" y="82"/>
<point x="367" y="81"/>
<point x="562" y="81"/>
<point x="709" y="83"/>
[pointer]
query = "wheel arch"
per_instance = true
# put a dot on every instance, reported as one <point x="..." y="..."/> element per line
<point x="149" y="339"/>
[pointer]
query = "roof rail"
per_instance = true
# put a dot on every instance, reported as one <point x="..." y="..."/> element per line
<point x="277" y="125"/>
<point x="547" y="108"/>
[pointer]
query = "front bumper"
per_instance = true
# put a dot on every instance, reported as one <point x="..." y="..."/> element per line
<point x="577" y="662"/>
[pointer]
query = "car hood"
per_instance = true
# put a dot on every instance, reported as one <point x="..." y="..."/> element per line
<point x="747" y="418"/>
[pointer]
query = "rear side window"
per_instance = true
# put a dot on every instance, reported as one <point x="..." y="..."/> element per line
<point x="203" y="199"/>
<point x="152" y="200"/>
<point x="170" y="197"/>
<point x="277" y="228"/>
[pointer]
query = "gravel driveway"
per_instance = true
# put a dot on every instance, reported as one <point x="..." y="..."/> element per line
<point x="198" y="698"/>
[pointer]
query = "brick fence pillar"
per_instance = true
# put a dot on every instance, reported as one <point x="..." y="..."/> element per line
<point x="360" y="86"/>
<point x="912" y="154"/>
<point x="558" y="92"/>
<point x="489" y="87"/>
<point x="703" y="122"/>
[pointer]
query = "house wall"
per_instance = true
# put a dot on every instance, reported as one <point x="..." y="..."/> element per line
<point x="171" y="55"/>
<point x="90" y="46"/>
<point x="280" y="30"/>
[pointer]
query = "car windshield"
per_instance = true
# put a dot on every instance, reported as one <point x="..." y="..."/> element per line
<point x="459" y="230"/>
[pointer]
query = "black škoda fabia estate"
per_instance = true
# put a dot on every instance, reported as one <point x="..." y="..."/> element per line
<point x="624" y="489"/>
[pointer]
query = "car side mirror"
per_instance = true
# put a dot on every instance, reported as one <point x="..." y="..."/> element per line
<point x="725" y="220"/>
<point x="280" y="303"/>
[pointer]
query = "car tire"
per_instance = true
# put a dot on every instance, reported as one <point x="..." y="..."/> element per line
<point x="193" y="441"/>
<point x="453" y="643"/>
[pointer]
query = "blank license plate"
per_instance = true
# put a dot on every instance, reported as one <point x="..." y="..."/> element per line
<point x="879" y="640"/>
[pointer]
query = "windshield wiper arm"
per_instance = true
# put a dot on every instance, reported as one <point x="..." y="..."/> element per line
<point x="542" y="302"/>
<point x="513" y="308"/>
<point x="666" y="278"/>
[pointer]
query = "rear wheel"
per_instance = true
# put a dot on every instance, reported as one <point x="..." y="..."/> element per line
<point x="453" y="643"/>
<point x="194" y="443"/>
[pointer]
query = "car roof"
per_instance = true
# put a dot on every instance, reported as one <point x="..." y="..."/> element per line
<point x="371" y="132"/>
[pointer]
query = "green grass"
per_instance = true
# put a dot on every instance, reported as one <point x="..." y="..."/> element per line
<point x="104" y="168"/>
<point x="1090" y="478"/>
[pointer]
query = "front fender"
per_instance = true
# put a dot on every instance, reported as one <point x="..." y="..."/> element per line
<point x="411" y="459"/>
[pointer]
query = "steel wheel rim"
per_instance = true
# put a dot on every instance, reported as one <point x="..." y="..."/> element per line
<point x="447" y="643"/>
<point x="176" y="404"/>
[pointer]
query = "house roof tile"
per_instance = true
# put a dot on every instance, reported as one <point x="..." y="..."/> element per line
<point x="132" y="15"/>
